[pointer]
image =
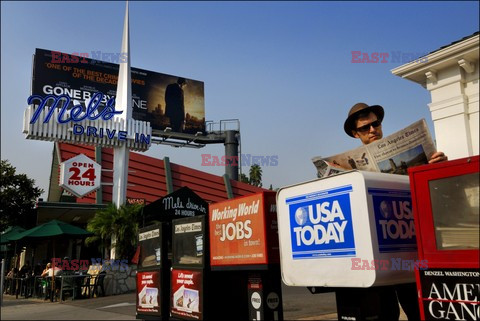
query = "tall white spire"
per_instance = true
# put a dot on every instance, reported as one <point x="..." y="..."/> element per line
<point x="123" y="102"/>
<point x="124" y="86"/>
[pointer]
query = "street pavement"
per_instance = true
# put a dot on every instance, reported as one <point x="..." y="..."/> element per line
<point x="298" y="304"/>
<point x="118" y="307"/>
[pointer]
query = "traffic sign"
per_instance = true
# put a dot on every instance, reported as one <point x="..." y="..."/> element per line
<point x="80" y="175"/>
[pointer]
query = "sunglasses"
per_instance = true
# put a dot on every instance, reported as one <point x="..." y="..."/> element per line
<point x="366" y="128"/>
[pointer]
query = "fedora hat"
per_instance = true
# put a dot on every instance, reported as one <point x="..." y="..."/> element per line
<point x="357" y="109"/>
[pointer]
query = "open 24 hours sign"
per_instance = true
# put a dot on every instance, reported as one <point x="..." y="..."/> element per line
<point x="243" y="231"/>
<point x="80" y="175"/>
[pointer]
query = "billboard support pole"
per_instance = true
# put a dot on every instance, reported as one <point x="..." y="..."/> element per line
<point x="228" y="186"/>
<point x="231" y="153"/>
<point x="123" y="102"/>
<point x="168" y="175"/>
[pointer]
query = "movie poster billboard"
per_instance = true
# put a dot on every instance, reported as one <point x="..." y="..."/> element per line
<point x="187" y="294"/>
<point x="181" y="107"/>
<point x="148" y="293"/>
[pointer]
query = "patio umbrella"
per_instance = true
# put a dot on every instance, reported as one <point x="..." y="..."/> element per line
<point x="51" y="229"/>
<point x="12" y="231"/>
<point x="5" y="238"/>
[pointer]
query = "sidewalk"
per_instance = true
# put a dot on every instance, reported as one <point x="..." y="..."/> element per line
<point x="116" y="307"/>
<point x="88" y="309"/>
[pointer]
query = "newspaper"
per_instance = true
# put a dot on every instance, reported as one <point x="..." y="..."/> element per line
<point x="411" y="146"/>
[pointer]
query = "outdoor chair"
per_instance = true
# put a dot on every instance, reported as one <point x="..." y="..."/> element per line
<point x="10" y="286"/>
<point x="18" y="286"/>
<point x="38" y="290"/>
<point x="98" y="284"/>
<point x="27" y="286"/>
<point x="68" y="285"/>
<point x="82" y="286"/>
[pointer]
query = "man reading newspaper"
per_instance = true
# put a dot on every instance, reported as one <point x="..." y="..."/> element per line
<point x="416" y="147"/>
<point x="411" y="146"/>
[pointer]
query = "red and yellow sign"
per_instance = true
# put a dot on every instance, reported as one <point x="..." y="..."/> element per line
<point x="238" y="230"/>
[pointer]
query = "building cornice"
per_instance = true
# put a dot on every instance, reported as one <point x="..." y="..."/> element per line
<point x="464" y="53"/>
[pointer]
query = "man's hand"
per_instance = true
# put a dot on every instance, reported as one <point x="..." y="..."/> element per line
<point x="437" y="158"/>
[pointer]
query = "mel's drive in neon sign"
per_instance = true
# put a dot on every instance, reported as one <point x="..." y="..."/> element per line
<point x="76" y="112"/>
<point x="88" y="124"/>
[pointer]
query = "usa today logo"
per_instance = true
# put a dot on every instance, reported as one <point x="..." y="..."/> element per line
<point x="393" y="220"/>
<point x="332" y="231"/>
<point x="321" y="224"/>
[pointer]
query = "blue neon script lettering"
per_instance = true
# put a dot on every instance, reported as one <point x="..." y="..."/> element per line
<point x="76" y="112"/>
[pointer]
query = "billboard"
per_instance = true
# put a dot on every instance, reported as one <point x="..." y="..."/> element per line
<point x="161" y="99"/>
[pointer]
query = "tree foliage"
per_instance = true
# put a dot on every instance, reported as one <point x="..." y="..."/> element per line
<point x="18" y="195"/>
<point x="244" y="178"/>
<point x="255" y="178"/>
<point x="122" y="222"/>
<point x="256" y="175"/>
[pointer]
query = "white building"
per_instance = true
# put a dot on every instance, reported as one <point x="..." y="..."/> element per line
<point x="450" y="73"/>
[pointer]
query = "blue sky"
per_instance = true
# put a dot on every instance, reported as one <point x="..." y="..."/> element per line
<point x="282" y="68"/>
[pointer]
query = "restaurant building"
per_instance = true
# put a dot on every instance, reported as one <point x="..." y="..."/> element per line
<point x="149" y="179"/>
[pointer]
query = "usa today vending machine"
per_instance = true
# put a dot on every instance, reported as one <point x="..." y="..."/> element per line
<point x="354" y="229"/>
<point x="446" y="205"/>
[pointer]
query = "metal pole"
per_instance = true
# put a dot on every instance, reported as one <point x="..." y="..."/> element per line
<point x="2" y="280"/>
<point x="98" y="159"/>
<point x="168" y="175"/>
<point x="231" y="153"/>
<point x="228" y="186"/>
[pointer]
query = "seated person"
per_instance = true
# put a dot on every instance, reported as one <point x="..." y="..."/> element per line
<point x="49" y="272"/>
<point x="9" y="288"/>
<point x="26" y="270"/>
<point x="37" y="270"/>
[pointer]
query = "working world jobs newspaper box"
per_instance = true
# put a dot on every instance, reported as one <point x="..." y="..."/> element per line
<point x="354" y="229"/>
<point x="243" y="232"/>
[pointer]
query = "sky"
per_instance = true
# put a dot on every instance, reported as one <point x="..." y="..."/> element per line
<point x="283" y="69"/>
